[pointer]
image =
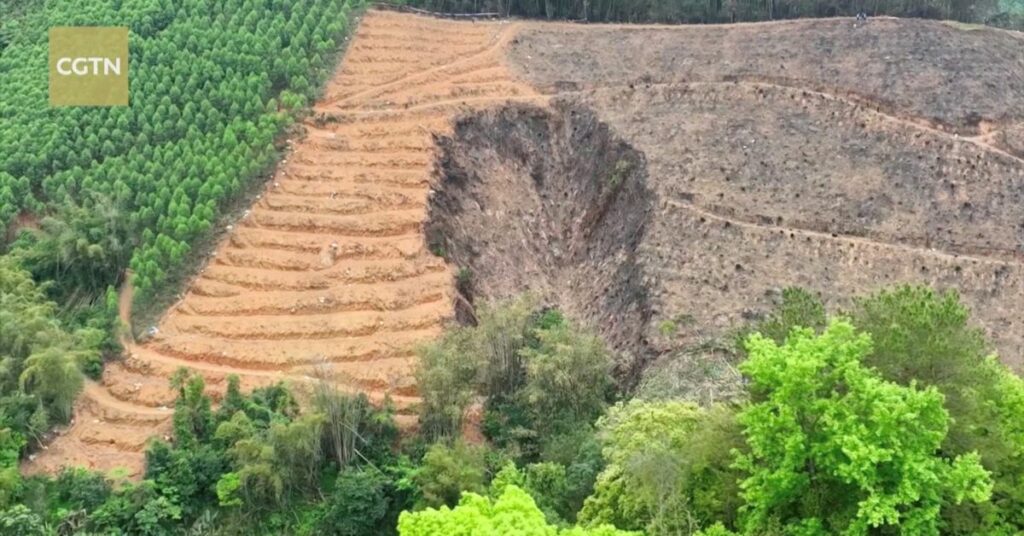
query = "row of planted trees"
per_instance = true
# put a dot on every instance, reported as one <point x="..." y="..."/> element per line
<point x="211" y="86"/>
<point x="86" y="193"/>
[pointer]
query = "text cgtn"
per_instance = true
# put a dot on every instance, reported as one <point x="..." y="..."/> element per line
<point x="89" y="66"/>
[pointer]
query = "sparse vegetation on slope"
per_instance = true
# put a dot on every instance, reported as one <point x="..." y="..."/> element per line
<point x="996" y="12"/>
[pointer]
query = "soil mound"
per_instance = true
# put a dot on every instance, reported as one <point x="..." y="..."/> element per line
<point x="549" y="201"/>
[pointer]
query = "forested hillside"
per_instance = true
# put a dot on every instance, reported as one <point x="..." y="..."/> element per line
<point x="86" y="193"/>
<point x="1005" y="13"/>
<point x="212" y="83"/>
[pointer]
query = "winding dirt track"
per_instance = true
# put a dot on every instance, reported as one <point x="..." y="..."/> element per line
<point x="328" y="273"/>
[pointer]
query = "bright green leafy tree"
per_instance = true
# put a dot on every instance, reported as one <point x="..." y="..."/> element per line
<point x="513" y="512"/>
<point x="923" y="336"/>
<point x="835" y="449"/>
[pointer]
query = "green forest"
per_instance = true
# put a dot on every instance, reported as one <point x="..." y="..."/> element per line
<point x="892" y="417"/>
<point x="1004" y="13"/>
<point x="87" y="193"/>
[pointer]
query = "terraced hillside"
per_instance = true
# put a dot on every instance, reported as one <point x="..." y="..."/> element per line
<point x="328" y="274"/>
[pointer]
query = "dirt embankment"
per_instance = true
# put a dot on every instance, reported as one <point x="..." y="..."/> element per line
<point x="548" y="201"/>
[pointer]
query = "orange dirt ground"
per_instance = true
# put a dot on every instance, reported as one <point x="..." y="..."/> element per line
<point x="329" y="270"/>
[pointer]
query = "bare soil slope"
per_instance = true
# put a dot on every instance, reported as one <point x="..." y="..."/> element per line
<point x="811" y="153"/>
<point x="328" y="273"/>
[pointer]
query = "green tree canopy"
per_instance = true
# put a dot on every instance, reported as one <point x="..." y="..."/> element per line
<point x="836" y="449"/>
<point x="513" y="512"/>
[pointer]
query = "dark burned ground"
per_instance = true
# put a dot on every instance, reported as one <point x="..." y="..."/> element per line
<point x="804" y="153"/>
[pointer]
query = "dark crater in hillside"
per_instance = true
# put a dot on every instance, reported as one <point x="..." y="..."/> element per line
<point x="548" y="201"/>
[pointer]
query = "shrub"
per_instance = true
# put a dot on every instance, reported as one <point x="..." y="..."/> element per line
<point x="799" y="308"/>
<point x="18" y="520"/>
<point x="513" y="512"/>
<point x="668" y="468"/>
<point x="78" y="489"/>
<point x="539" y="375"/>
<point x="446" y="471"/>
<point x="358" y="506"/>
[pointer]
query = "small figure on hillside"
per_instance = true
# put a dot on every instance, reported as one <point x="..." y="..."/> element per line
<point x="862" y="17"/>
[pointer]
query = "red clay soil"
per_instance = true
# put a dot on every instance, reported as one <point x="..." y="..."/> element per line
<point x="328" y="274"/>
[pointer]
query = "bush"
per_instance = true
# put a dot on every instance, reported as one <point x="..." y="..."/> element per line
<point x="539" y="376"/>
<point x="447" y="471"/>
<point x="358" y="506"/>
<point x="18" y="520"/>
<point x="798" y="309"/>
<point x="78" y="489"/>
<point x="668" y="468"/>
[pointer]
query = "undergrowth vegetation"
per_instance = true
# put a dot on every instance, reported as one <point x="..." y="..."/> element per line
<point x="891" y="417"/>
